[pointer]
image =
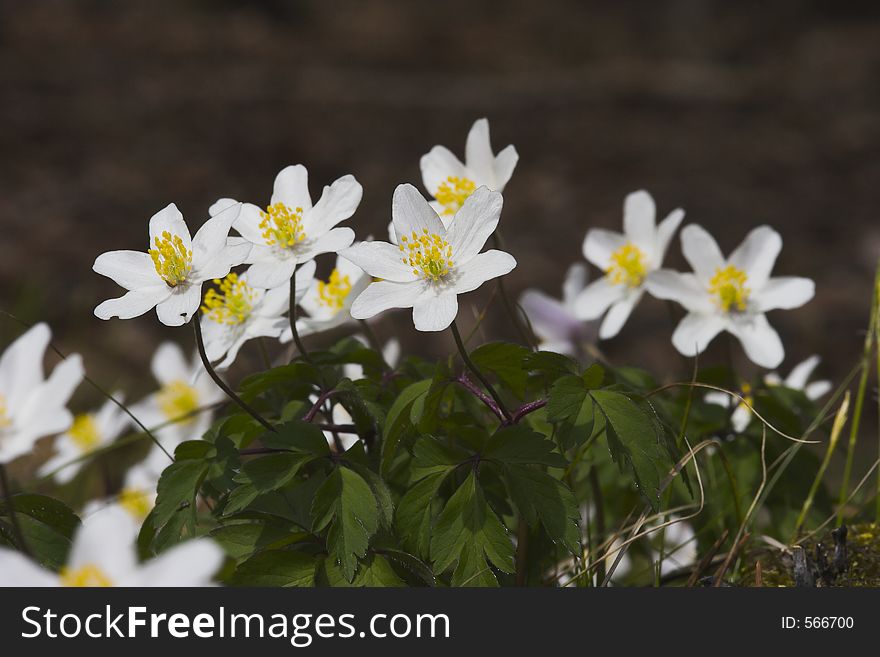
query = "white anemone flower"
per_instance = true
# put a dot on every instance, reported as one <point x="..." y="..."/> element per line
<point x="291" y="230"/>
<point x="731" y="294"/>
<point x="798" y="379"/>
<point x="89" y="432"/>
<point x="179" y="406"/>
<point x="236" y="312"/>
<point x="451" y="182"/>
<point x="169" y="276"/>
<point x="104" y="554"/>
<point x="328" y="303"/>
<point x="137" y="497"/>
<point x="32" y="406"/>
<point x="432" y="265"/>
<point x="627" y="259"/>
<point x="554" y="321"/>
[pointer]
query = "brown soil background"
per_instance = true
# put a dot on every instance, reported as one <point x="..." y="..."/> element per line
<point x="741" y="113"/>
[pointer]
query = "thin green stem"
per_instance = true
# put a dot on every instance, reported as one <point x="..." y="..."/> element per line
<point x="296" y="339"/>
<point x="6" y="491"/>
<point x="374" y="342"/>
<point x="200" y="345"/>
<point x="477" y="373"/>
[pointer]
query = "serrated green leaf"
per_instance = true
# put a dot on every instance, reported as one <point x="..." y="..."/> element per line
<point x="398" y="419"/>
<point x="567" y="396"/>
<point x="551" y="363"/>
<point x="242" y="540"/>
<point x="47" y="510"/>
<point x="540" y="496"/>
<point x="432" y="456"/>
<point x="298" y="436"/>
<point x="177" y="486"/>
<point x="520" y="444"/>
<point x="506" y="361"/>
<point x="276" y="568"/>
<point x="414" y="514"/>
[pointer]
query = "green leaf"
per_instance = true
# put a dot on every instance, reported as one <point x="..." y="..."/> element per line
<point x="551" y="363"/>
<point x="519" y="444"/>
<point x="467" y="533"/>
<point x="345" y="503"/>
<point x="414" y="514"/>
<point x="48" y="546"/>
<point x="276" y="568"/>
<point x="571" y="407"/>
<point x="46" y="510"/>
<point x="432" y="456"/>
<point x="298" y="436"/>
<point x="244" y="539"/>
<point x="381" y="491"/>
<point x="177" y="487"/>
<point x="633" y="437"/>
<point x="398" y="420"/>
<point x="411" y="563"/>
<point x="506" y="361"/>
<point x="540" y="496"/>
<point x="424" y="411"/>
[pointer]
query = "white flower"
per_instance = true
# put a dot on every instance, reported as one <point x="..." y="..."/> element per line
<point x="30" y="405"/>
<point x="390" y="354"/>
<point x="432" y="265"/>
<point x="103" y="554"/>
<point x="450" y="182"/>
<point x="169" y="276"/>
<point x="89" y="432"/>
<point x="137" y="497"/>
<point x="554" y="321"/>
<point x="797" y="380"/>
<point x="731" y="294"/>
<point x="184" y="390"/>
<point x="627" y="259"/>
<point x="238" y="312"/>
<point x="291" y="231"/>
<point x="328" y="303"/>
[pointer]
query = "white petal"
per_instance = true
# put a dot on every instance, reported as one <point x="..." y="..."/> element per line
<point x="210" y="239"/>
<point x="757" y="255"/>
<point x="478" y="156"/>
<point x="292" y="188"/>
<point x="599" y="244"/>
<point x="505" y="163"/>
<point x="338" y="202"/>
<point x="412" y="214"/>
<point x="785" y="292"/>
<point x="248" y="223"/>
<point x="331" y="242"/>
<point x="16" y="570"/>
<point x="701" y="251"/>
<point x="271" y="272"/>
<point x="436" y="313"/>
<point x="817" y="389"/>
<point x="718" y="398"/>
<point x="130" y="269"/>
<point x="384" y="295"/>
<point x="617" y="315"/>
<point x="192" y="563"/>
<point x="759" y="340"/>
<point x="740" y="418"/>
<point x="596" y="297"/>
<point x="801" y="373"/>
<point x="665" y="231"/>
<point x="218" y="338"/>
<point x="234" y="253"/>
<point x="438" y="165"/>
<point x="639" y="211"/>
<point x="106" y="540"/>
<point x="21" y="366"/>
<point x="381" y="260"/>
<point x="694" y="333"/>
<point x="54" y="393"/>
<point x="169" y="219"/>
<point x="220" y="205"/>
<point x="134" y="303"/>
<point x="481" y="268"/>
<point x="575" y="280"/>
<point x="681" y="288"/>
<point x="180" y="307"/>
<point x="169" y="364"/>
<point x="549" y="319"/>
<point x="474" y="222"/>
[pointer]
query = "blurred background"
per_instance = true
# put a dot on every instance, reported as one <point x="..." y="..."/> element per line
<point x="741" y="113"/>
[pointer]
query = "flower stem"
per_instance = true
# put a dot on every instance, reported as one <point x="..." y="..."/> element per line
<point x="200" y="344"/>
<point x="477" y="373"/>
<point x="374" y="342"/>
<point x="6" y="491"/>
<point x="296" y="339"/>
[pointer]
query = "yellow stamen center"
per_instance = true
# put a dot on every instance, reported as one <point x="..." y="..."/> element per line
<point x="232" y="304"/>
<point x="282" y="226"/>
<point x="428" y="254"/>
<point x="453" y="192"/>
<point x="173" y="261"/>
<point x="178" y="399"/>
<point x="84" y="432"/>
<point x="136" y="501"/>
<point x="728" y="285"/>
<point x="628" y="266"/>
<point x="334" y="292"/>
<point x="5" y="420"/>
<point x="86" y="576"/>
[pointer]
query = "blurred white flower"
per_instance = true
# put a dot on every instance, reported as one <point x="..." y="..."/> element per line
<point x="236" y="312"/>
<point x="554" y="321"/>
<point x="137" y="497"/>
<point x="32" y="406"/>
<point x="328" y="303"/>
<point x="390" y="354"/>
<point x="184" y="390"/>
<point x="742" y="414"/>
<point x="169" y="276"/>
<point x="103" y="554"/>
<point x="291" y="231"/>
<point x="731" y="294"/>
<point x="431" y="266"/>
<point x="627" y="259"/>
<point x="450" y="181"/>
<point x="89" y="431"/>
